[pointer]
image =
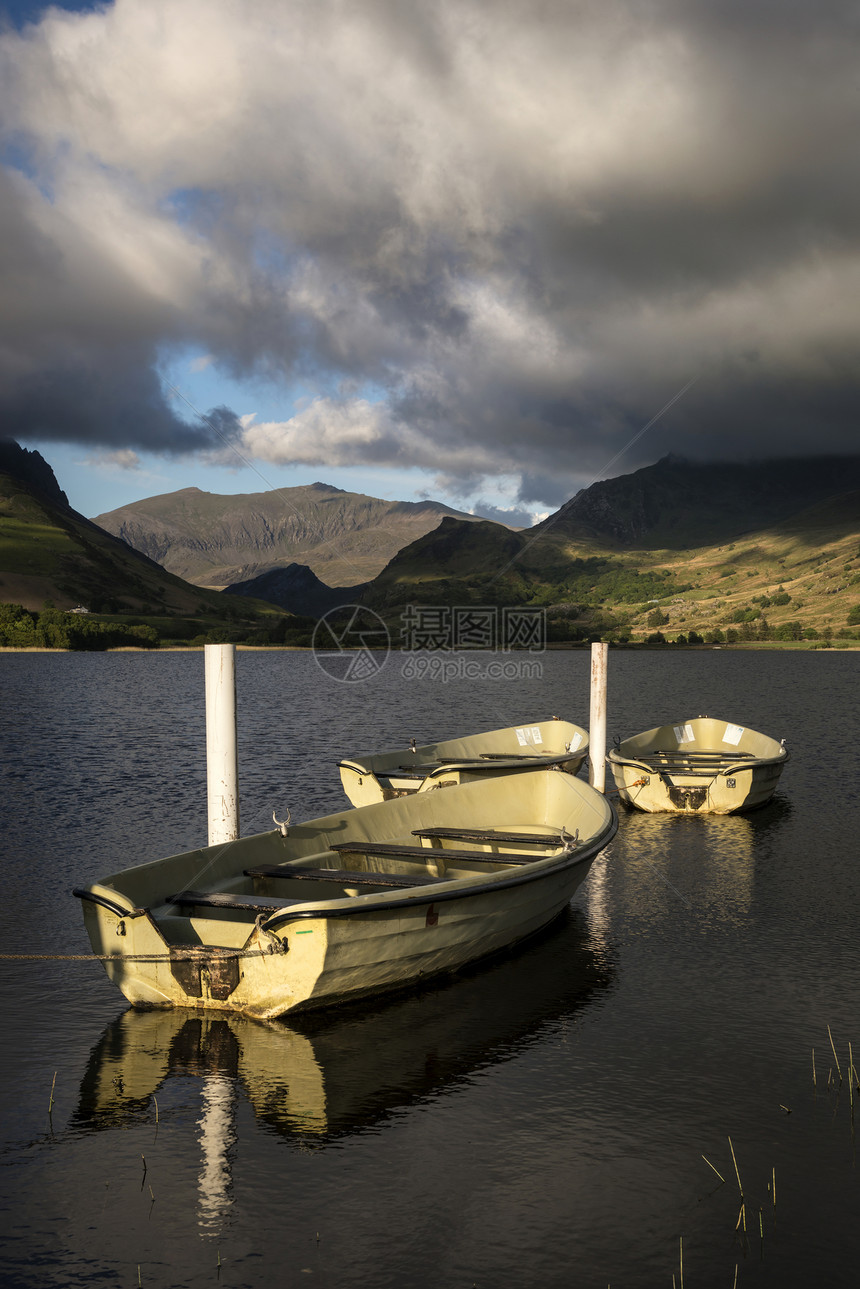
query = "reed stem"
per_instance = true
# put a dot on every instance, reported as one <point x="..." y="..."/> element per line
<point x="851" y="1074"/>
<point x="51" y="1101"/>
<point x="710" y="1165"/>
<point x="737" y="1174"/>
<point x="835" y="1057"/>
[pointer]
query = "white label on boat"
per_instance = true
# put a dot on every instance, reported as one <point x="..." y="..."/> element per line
<point x="574" y="743"/>
<point x="733" y="734"/>
<point x="521" y="738"/>
<point x="535" y="733"/>
<point x="684" y="733"/>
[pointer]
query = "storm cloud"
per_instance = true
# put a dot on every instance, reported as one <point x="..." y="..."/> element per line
<point x="497" y="239"/>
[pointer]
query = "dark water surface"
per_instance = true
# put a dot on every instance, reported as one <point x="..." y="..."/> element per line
<point x="540" y="1121"/>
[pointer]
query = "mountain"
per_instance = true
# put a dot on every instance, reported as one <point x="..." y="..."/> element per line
<point x="213" y="540"/>
<point x="456" y="563"/>
<point x="32" y="470"/>
<point x="298" y="590"/>
<point x="676" y="503"/>
<point x="698" y="547"/>
<point x="50" y="553"/>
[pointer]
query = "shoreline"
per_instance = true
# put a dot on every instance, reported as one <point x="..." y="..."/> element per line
<point x="760" y="646"/>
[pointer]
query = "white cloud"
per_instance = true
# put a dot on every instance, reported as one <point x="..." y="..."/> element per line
<point x="123" y="459"/>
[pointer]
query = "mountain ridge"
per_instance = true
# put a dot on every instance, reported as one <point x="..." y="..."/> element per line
<point x="219" y="540"/>
<point x="676" y="502"/>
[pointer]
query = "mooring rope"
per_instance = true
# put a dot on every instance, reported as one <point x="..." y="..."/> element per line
<point x="203" y="955"/>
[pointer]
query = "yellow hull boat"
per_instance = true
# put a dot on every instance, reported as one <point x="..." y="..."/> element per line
<point x="381" y="776"/>
<point x="702" y="766"/>
<point x="351" y="904"/>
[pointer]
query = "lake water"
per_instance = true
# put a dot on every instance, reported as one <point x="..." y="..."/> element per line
<point x="538" y="1121"/>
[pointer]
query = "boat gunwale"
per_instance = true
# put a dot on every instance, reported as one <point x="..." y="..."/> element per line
<point x="453" y="888"/>
<point x="457" y="887"/>
<point x="365" y="765"/>
<point x="647" y="759"/>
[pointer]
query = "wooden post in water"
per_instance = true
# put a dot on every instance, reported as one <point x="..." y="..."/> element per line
<point x="222" y="763"/>
<point x="597" y="718"/>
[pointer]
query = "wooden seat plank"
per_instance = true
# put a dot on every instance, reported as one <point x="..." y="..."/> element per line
<point x="345" y="877"/>
<point x="230" y="900"/>
<point x="491" y="835"/>
<point x="398" y="851"/>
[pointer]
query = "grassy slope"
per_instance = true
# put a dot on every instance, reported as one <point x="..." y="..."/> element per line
<point x="815" y="558"/>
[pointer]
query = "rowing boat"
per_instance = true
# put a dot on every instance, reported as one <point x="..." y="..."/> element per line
<point x="702" y="766"/>
<point x="358" y="902"/>
<point x="381" y="776"/>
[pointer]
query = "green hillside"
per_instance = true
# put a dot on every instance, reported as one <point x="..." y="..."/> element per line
<point x="796" y="576"/>
<point x="53" y="558"/>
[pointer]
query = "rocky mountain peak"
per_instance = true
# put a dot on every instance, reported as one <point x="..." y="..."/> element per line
<point x="30" y="468"/>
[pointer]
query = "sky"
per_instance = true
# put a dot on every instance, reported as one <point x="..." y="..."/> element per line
<point x="485" y="251"/>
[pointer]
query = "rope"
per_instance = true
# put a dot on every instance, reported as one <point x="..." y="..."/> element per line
<point x="203" y="955"/>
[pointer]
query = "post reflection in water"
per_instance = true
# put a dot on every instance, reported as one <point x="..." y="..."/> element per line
<point x="595" y="895"/>
<point x="346" y="1071"/>
<point x="217" y="1138"/>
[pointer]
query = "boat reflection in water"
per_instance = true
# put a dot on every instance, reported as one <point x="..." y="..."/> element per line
<point x="341" y="1072"/>
<point x="709" y="860"/>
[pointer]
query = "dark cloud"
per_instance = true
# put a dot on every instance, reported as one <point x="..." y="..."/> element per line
<point x="121" y="406"/>
<point x="524" y="229"/>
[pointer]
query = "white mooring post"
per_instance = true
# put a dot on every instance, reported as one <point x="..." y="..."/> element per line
<point x="222" y="763"/>
<point x="597" y="718"/>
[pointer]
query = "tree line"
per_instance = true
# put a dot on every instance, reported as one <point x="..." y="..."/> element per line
<point x="55" y="629"/>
